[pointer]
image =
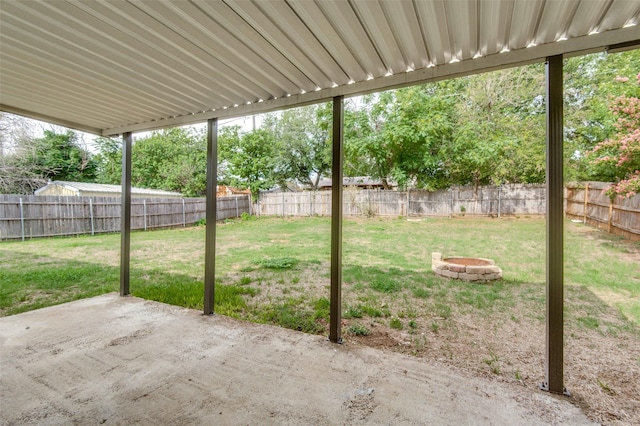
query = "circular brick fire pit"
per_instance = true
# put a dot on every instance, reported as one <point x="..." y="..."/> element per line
<point x="465" y="268"/>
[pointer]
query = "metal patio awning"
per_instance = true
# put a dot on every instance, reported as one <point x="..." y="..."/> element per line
<point x="110" y="67"/>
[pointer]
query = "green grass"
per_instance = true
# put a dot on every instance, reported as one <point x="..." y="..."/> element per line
<point x="395" y="323"/>
<point x="352" y="312"/>
<point x="29" y="281"/>
<point x="278" y="263"/>
<point x="386" y="269"/>
<point x="291" y="313"/>
<point x="358" y="330"/>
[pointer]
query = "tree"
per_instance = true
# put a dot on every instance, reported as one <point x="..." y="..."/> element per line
<point x="17" y="176"/>
<point x="398" y="136"/>
<point x="109" y="159"/>
<point x="59" y="156"/>
<point x="171" y="159"/>
<point x="14" y="131"/>
<point x="499" y="134"/>
<point x="619" y="156"/>
<point x="27" y="162"/>
<point x="303" y="151"/>
<point x="420" y="123"/>
<point x="250" y="158"/>
<point x="367" y="152"/>
<point x="590" y="89"/>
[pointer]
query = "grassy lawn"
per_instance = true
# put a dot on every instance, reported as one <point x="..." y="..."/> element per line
<point x="383" y="259"/>
<point x="275" y="270"/>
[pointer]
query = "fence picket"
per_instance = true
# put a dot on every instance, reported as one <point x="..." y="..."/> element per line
<point x="588" y="203"/>
<point x="48" y="216"/>
<point x="509" y="199"/>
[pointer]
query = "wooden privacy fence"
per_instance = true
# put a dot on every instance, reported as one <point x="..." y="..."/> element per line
<point x="30" y="216"/>
<point x="504" y="200"/>
<point x="587" y="202"/>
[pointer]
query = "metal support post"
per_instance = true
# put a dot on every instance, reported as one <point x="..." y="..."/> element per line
<point x="125" y="215"/>
<point x="335" y="309"/>
<point x="210" y="236"/>
<point x="555" y="262"/>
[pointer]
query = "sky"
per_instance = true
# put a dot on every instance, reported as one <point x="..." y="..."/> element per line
<point x="87" y="139"/>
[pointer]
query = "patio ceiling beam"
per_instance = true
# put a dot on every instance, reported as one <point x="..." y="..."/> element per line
<point x="51" y="119"/>
<point x="572" y="47"/>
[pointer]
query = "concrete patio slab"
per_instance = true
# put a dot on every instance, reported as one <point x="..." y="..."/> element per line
<point x="113" y="360"/>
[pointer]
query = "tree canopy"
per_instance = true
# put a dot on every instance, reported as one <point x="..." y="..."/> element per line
<point x="28" y="162"/>
<point x="618" y="158"/>
<point x="250" y="158"/>
<point x="171" y="159"/>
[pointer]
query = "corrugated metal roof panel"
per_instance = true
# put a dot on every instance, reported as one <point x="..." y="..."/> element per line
<point x="110" y="67"/>
<point x="107" y="189"/>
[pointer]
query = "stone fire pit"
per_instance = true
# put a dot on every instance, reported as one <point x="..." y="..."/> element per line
<point x="465" y="268"/>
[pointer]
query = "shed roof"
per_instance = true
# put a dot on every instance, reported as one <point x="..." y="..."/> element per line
<point x="354" y="181"/>
<point x="111" y="67"/>
<point x="116" y="190"/>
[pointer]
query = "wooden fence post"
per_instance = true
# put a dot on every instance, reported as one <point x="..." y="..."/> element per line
<point x="586" y="201"/>
<point x="610" y="214"/>
<point x="93" y="229"/>
<point x="60" y="228"/>
<point x="451" y="203"/>
<point x="22" y="219"/>
<point x="70" y="207"/>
